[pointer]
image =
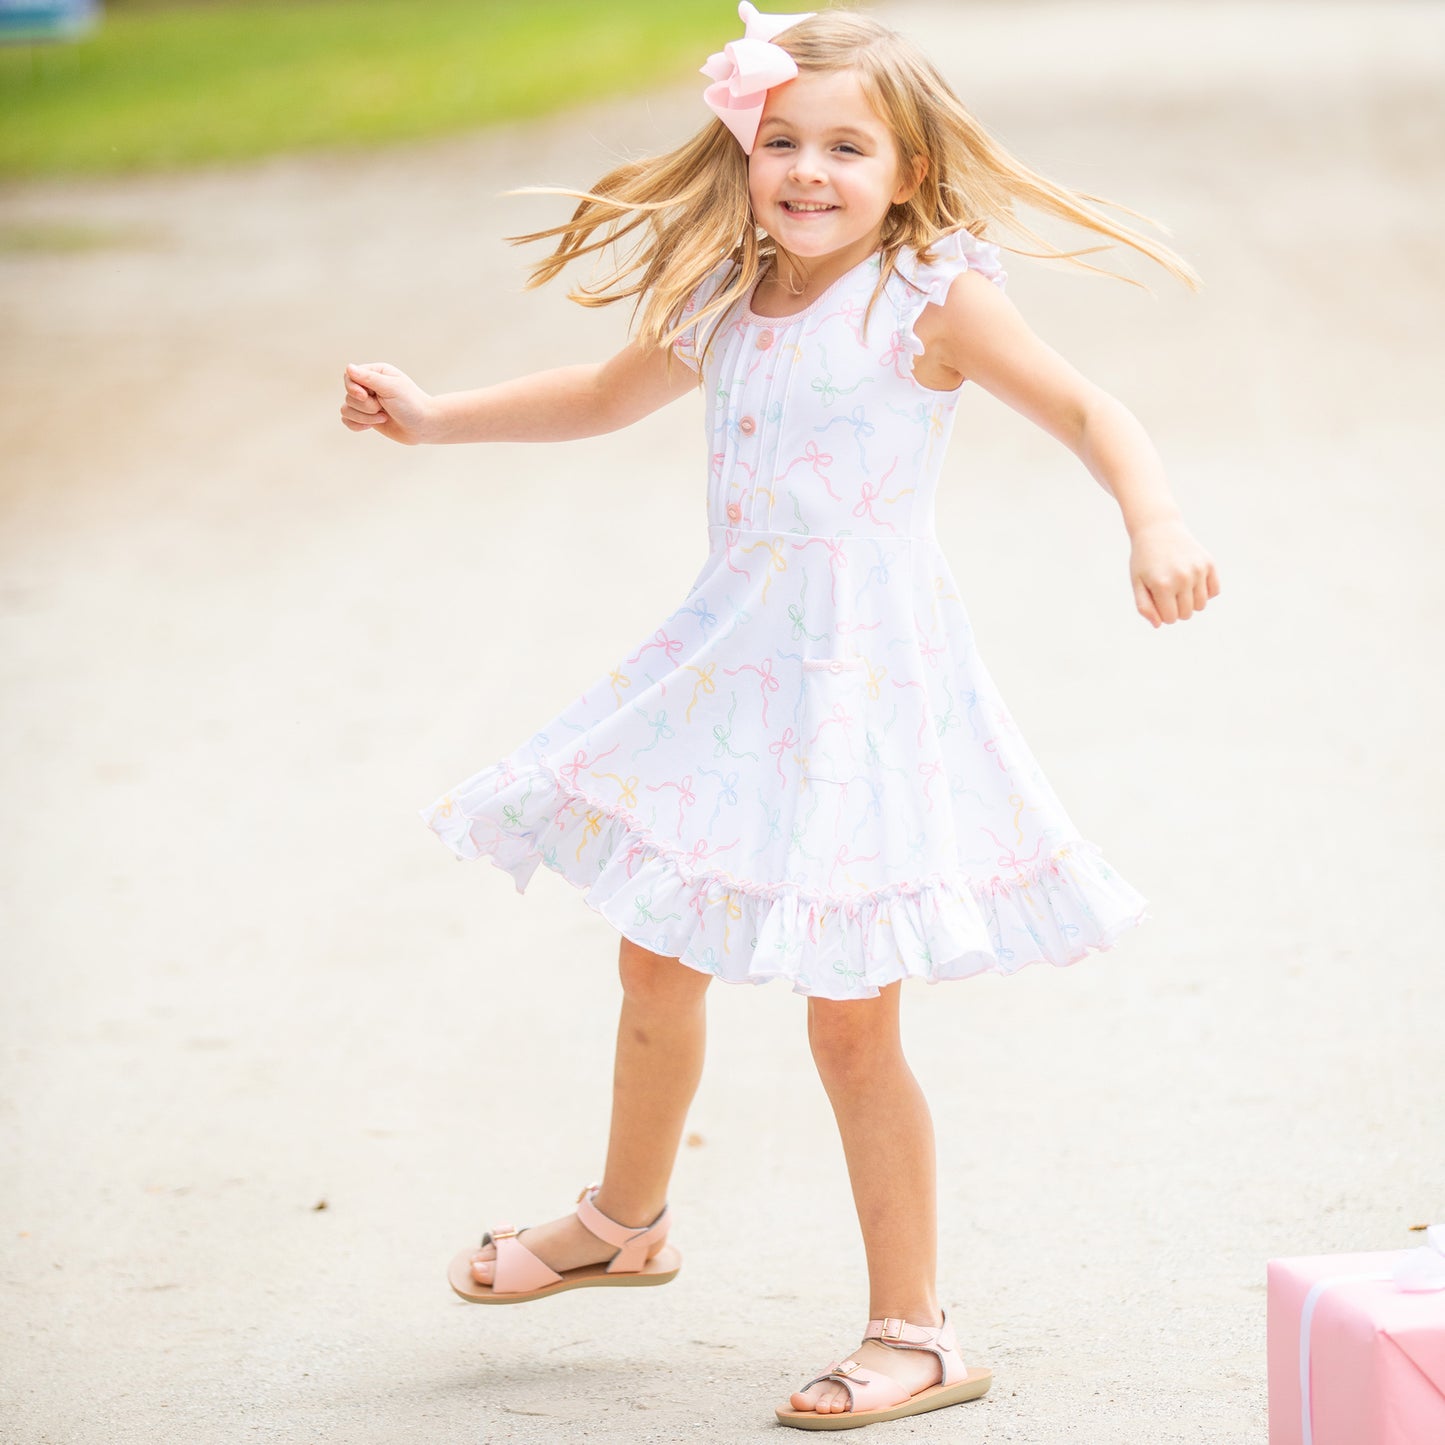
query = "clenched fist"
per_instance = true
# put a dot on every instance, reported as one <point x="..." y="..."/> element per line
<point x="382" y="399"/>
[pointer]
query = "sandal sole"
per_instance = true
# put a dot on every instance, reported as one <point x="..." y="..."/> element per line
<point x="935" y="1397"/>
<point x="662" y="1267"/>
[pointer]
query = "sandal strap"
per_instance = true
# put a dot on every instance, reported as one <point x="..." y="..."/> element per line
<point x="868" y="1388"/>
<point x="516" y="1269"/>
<point x="633" y="1242"/>
<point x="937" y="1340"/>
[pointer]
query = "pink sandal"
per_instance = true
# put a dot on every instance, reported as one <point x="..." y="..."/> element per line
<point x="874" y="1396"/>
<point x="643" y="1257"/>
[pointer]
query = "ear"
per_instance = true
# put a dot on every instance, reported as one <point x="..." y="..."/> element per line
<point x="907" y="187"/>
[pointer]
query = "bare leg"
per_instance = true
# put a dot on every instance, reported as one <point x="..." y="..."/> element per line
<point x="887" y="1136"/>
<point x="660" y="1042"/>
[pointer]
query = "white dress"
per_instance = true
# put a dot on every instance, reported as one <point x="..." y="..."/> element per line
<point x="806" y="772"/>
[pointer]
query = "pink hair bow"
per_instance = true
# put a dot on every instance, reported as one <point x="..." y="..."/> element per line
<point x="745" y="70"/>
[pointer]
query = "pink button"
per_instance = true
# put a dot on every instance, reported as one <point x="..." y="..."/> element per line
<point x="747" y="426"/>
<point x="735" y="512"/>
<point x="765" y="340"/>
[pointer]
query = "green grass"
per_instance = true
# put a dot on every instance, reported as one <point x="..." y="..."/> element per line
<point x="158" y="88"/>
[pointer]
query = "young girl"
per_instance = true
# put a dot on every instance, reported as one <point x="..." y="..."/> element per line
<point x="806" y="771"/>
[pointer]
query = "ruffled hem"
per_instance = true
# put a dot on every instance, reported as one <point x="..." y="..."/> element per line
<point x="834" y="946"/>
<point x="957" y="252"/>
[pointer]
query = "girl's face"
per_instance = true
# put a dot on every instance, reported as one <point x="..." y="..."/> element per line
<point x="824" y="168"/>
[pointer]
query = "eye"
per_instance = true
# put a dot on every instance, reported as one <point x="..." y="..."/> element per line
<point x="776" y="141"/>
<point x="852" y="149"/>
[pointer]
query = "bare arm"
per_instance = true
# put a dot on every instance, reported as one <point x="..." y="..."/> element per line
<point x="562" y="404"/>
<point x="979" y="334"/>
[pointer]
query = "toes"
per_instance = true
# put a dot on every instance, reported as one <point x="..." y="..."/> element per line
<point x="824" y="1399"/>
<point x="483" y="1263"/>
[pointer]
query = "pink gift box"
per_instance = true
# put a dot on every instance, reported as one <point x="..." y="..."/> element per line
<point x="1353" y="1358"/>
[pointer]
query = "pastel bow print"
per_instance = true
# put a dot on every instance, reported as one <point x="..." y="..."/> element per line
<point x="745" y="70"/>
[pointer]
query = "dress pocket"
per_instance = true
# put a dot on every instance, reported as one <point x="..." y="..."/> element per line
<point x="835" y="718"/>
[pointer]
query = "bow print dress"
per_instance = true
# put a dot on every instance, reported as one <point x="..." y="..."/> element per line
<point x="806" y="771"/>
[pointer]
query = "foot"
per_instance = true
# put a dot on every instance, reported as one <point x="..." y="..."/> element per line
<point x="914" y="1370"/>
<point x="562" y="1244"/>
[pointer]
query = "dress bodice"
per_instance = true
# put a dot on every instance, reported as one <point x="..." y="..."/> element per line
<point x="816" y="424"/>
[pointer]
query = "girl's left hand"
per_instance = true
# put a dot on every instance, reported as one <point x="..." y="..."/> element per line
<point x="1173" y="576"/>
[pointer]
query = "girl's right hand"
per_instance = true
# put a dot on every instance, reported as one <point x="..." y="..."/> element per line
<point x="382" y="399"/>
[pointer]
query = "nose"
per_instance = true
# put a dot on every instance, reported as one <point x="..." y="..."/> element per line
<point x="807" y="165"/>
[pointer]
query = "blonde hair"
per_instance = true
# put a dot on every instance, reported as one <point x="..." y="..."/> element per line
<point x="693" y="204"/>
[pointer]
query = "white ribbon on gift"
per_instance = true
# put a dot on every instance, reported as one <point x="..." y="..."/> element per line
<point x="1418" y="1269"/>
<point x="1424" y="1268"/>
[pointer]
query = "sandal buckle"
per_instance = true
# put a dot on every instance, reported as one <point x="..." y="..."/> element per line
<point x="588" y="1189"/>
<point x="507" y="1233"/>
<point x="893" y="1329"/>
<point x="846" y="1368"/>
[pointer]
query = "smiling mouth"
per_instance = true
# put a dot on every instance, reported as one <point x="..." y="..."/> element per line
<point x="797" y="208"/>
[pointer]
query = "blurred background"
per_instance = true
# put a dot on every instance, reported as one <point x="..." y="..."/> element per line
<point x="270" y="1057"/>
<point x="159" y="83"/>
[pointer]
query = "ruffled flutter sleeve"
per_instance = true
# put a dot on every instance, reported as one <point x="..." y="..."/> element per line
<point x="690" y="345"/>
<point x="957" y="252"/>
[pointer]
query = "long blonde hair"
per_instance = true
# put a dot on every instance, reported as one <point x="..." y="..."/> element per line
<point x="693" y="205"/>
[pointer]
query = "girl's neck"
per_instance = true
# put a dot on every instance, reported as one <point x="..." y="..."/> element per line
<point x="796" y="282"/>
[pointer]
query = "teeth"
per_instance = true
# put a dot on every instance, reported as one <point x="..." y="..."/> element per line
<point x="806" y="206"/>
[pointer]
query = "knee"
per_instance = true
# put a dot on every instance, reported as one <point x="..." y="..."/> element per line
<point x="656" y="981"/>
<point x="850" y="1037"/>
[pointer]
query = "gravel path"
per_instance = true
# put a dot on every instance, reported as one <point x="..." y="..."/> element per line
<point x="270" y="1056"/>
